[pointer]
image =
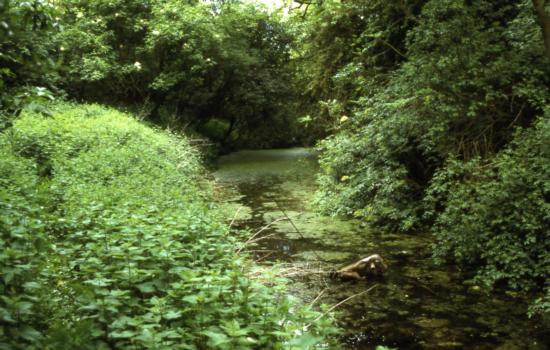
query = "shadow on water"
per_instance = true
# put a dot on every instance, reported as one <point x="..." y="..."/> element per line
<point x="417" y="305"/>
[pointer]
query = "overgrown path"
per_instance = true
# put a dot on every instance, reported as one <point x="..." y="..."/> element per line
<point x="417" y="306"/>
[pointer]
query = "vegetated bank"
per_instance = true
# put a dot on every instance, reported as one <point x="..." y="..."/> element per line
<point x="221" y="68"/>
<point x="418" y="98"/>
<point x="439" y="119"/>
<point x="108" y="239"/>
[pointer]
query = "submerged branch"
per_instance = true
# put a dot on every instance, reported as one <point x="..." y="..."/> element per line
<point x="333" y="307"/>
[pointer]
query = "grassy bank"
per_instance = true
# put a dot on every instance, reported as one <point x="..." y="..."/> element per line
<point x="108" y="240"/>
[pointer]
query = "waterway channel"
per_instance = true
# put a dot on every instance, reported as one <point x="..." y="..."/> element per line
<point x="417" y="305"/>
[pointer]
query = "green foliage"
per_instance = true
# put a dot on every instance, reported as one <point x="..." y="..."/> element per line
<point x="541" y="306"/>
<point x="26" y="64"/>
<point x="431" y="137"/>
<point x="434" y="106"/>
<point x="497" y="212"/>
<point x="348" y="48"/>
<point x="185" y="62"/>
<point x="23" y="245"/>
<point x="108" y="241"/>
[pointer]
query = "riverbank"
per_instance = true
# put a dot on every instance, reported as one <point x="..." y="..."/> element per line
<point x="418" y="305"/>
<point x="110" y="240"/>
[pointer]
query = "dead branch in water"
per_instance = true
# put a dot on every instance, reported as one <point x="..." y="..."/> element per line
<point x="338" y="304"/>
<point x="290" y="270"/>
<point x="253" y="239"/>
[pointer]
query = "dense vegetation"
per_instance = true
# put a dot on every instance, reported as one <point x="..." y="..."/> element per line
<point x="109" y="241"/>
<point x="220" y="69"/>
<point x="431" y="115"/>
<point x="26" y="64"/>
<point x="439" y="115"/>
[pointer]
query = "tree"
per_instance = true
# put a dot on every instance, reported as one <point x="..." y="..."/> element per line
<point x="544" y="22"/>
<point x="223" y="72"/>
<point x="26" y="61"/>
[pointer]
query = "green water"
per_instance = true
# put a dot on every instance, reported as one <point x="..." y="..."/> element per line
<point x="417" y="305"/>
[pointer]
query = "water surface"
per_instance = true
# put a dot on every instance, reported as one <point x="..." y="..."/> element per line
<point x="416" y="306"/>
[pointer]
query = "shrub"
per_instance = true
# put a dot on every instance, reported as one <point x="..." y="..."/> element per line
<point x="125" y="250"/>
<point x="438" y="102"/>
<point x="23" y="245"/>
<point x="497" y="213"/>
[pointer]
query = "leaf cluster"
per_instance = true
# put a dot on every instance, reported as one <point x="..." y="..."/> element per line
<point x="27" y="71"/>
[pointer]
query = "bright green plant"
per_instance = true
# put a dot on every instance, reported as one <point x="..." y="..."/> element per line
<point x="116" y="245"/>
<point x="23" y="250"/>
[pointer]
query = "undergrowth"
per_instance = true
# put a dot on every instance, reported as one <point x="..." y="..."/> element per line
<point x="107" y="241"/>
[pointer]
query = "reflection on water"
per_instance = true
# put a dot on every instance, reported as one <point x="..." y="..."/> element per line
<point x="416" y="306"/>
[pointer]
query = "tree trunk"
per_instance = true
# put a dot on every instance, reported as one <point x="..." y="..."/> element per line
<point x="544" y="21"/>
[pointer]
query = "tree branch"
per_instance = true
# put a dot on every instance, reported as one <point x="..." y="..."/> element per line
<point x="544" y="22"/>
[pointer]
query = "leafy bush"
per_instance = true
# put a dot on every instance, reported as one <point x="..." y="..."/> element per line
<point x="373" y="169"/>
<point x="108" y="242"/>
<point x="438" y="103"/>
<point x="434" y="139"/>
<point x="23" y="247"/>
<point x="497" y="213"/>
<point x="26" y="62"/>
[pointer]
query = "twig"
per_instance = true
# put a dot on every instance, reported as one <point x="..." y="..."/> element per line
<point x="418" y="284"/>
<point x="251" y="239"/>
<point x="264" y="257"/>
<point x="338" y="304"/>
<point x="261" y="238"/>
<point x="267" y="226"/>
<point x="234" y="218"/>
<point x="392" y="47"/>
<point x="517" y="116"/>
<point x="318" y="297"/>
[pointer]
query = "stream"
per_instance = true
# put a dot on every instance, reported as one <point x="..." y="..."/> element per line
<point x="417" y="305"/>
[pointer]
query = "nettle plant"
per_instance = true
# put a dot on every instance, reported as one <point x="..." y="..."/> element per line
<point x="108" y="242"/>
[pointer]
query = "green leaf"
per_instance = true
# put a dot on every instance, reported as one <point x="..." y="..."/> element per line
<point x="123" y="334"/>
<point x="172" y="315"/>
<point x="216" y="338"/>
<point x="146" y="287"/>
<point x="305" y="341"/>
<point x="191" y="299"/>
<point x="30" y="334"/>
